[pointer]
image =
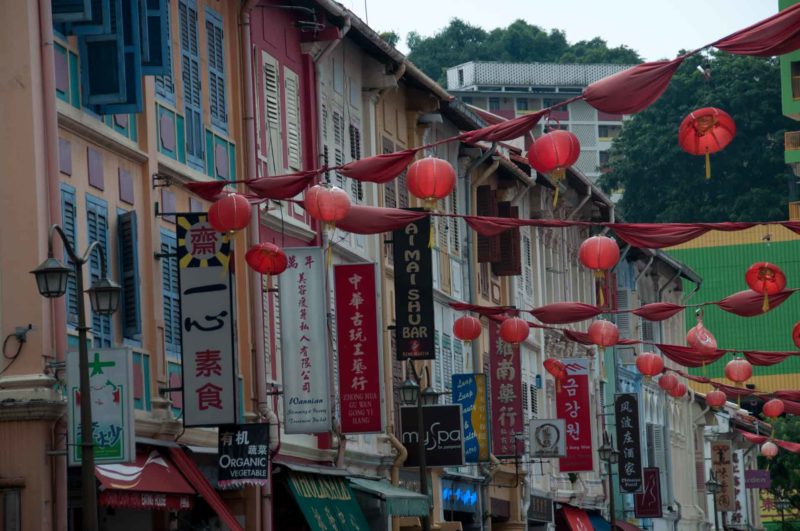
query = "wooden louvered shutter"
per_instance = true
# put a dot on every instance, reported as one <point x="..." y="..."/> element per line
<point x="216" y="70"/>
<point x="156" y="21"/>
<point x="292" y="95"/>
<point x="488" y="247"/>
<point x="272" y="110"/>
<point x="510" y="263"/>
<point x="129" y="275"/>
<point x="68" y="215"/>
<point x="165" y="83"/>
<point x="192" y="98"/>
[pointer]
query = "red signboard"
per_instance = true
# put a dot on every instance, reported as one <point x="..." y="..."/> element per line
<point x="145" y="500"/>
<point x="572" y="405"/>
<point x="647" y="504"/>
<point x="506" y="394"/>
<point x="357" y="343"/>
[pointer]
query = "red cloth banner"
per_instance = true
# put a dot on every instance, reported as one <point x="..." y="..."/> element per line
<point x="282" y="186"/>
<point x="776" y="35"/>
<point x="572" y="405"/>
<point x="506" y="130"/>
<point x="689" y="357"/>
<point x="748" y="303"/>
<point x="505" y="383"/>
<point x="357" y="342"/>
<point x="379" y="168"/>
<point x="565" y="312"/>
<point x="375" y="220"/>
<point x="208" y="191"/>
<point x="658" y="311"/>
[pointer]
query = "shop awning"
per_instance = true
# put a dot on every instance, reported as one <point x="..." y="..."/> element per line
<point x="399" y="501"/>
<point x="575" y="519"/>
<point x="625" y="526"/>
<point x="599" y="523"/>
<point x="325" y="499"/>
<point x="193" y="473"/>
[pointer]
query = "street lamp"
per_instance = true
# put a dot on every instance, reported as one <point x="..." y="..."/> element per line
<point x="782" y="504"/>
<point x="51" y="280"/>
<point x="713" y="487"/>
<point x="610" y="456"/>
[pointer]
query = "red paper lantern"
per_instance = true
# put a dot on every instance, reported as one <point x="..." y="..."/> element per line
<point x="649" y="364"/>
<point x="556" y="368"/>
<point x="700" y="339"/>
<point x="773" y="408"/>
<point x="706" y="131"/>
<point x="431" y="179"/>
<point x="716" y="398"/>
<point x="514" y="330"/>
<point x="767" y="279"/>
<point x="796" y="334"/>
<point x="230" y="213"/>
<point x="467" y="328"/>
<point x="603" y="333"/>
<point x="554" y="152"/>
<point x="327" y="204"/>
<point x="738" y="370"/>
<point x="769" y="449"/>
<point x="678" y="391"/>
<point x="266" y="258"/>
<point x="599" y="253"/>
<point x="668" y="381"/>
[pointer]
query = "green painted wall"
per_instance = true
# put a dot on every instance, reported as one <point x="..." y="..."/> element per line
<point x="791" y="106"/>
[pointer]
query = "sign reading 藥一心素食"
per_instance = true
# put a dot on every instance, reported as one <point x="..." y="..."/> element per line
<point x="243" y="455"/>
<point x="626" y="410"/>
<point x="207" y="332"/>
<point x="469" y="390"/>
<point x="111" y="384"/>
<point x="413" y="288"/>
<point x="443" y="435"/>
<point x="304" y="342"/>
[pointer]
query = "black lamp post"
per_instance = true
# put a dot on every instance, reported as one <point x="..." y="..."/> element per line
<point x="782" y="504"/>
<point x="610" y="456"/>
<point x="410" y="395"/>
<point x="51" y="280"/>
<point x="713" y="487"/>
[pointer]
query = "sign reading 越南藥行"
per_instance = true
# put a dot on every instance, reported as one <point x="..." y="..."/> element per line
<point x="243" y="455"/>
<point x="357" y="342"/>
<point x="207" y="332"/>
<point x="626" y="410"/>
<point x="548" y="438"/>
<point x="304" y="342"/>
<point x="413" y="288"/>
<point x="470" y="391"/>
<point x="443" y="435"/>
<point x="722" y="465"/>
<point x="647" y="503"/>
<point x="505" y="385"/>
<point x="572" y="405"/>
<point x="111" y="383"/>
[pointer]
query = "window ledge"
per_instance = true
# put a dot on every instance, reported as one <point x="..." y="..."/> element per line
<point x="80" y="123"/>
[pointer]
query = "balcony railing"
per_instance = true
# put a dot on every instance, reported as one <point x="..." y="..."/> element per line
<point x="791" y="140"/>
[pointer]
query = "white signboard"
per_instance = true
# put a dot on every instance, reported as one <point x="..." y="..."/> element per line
<point x="304" y="343"/>
<point x="111" y="382"/>
<point x="548" y="438"/>
<point x="209" y="370"/>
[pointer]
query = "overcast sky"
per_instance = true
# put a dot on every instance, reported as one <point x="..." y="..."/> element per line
<point x="655" y="29"/>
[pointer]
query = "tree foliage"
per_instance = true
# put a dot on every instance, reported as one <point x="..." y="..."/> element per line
<point x="460" y="42"/>
<point x="663" y="183"/>
<point x="784" y="468"/>
<point x="391" y="37"/>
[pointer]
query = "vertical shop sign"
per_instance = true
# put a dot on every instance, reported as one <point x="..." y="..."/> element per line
<point x="111" y="384"/>
<point x="626" y="409"/>
<point x="443" y="435"/>
<point x="243" y="455"/>
<point x="572" y="405"/>
<point x="469" y="390"/>
<point x="722" y="465"/>
<point x="207" y="332"/>
<point x="304" y="343"/>
<point x="413" y="289"/>
<point x="647" y="504"/>
<point x="505" y="384"/>
<point x="357" y="344"/>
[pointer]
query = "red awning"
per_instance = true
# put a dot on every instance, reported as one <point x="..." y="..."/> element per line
<point x="204" y="488"/>
<point x="577" y="519"/>
<point x="625" y="526"/>
<point x="152" y="482"/>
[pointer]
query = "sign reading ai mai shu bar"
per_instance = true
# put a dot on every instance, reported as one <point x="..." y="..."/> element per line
<point x="572" y="405"/>
<point x="413" y="291"/>
<point x="304" y="343"/>
<point x="357" y="342"/>
<point x="209" y="376"/>
<point x="505" y="383"/>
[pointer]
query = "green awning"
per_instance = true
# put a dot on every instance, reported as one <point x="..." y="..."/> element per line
<point x="399" y="501"/>
<point x="326" y="501"/>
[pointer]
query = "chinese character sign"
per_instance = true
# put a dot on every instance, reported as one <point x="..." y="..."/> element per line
<point x="304" y="342"/>
<point x="357" y="342"/>
<point x="413" y="288"/>
<point x="722" y="465"/>
<point x="469" y="390"/>
<point x="243" y="455"/>
<point x="572" y="405"/>
<point x="647" y="503"/>
<point x="207" y="332"/>
<point x="505" y="373"/>
<point x="626" y="410"/>
<point x="111" y="383"/>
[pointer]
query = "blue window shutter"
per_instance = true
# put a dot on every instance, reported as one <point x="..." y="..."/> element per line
<point x="98" y="24"/>
<point x="97" y="228"/>
<point x="157" y="62"/>
<point x="103" y="62"/>
<point x="171" y="297"/>
<point x="216" y="70"/>
<point x="144" y="31"/>
<point x="71" y="10"/>
<point x="68" y="220"/>
<point x="165" y="86"/>
<point x="190" y="66"/>
<point x="131" y="33"/>
<point x="127" y="243"/>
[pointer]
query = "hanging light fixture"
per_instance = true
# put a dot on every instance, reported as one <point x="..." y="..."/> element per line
<point x="467" y="328"/>
<point x="514" y="330"/>
<point x="430" y="179"/>
<point x="716" y="399"/>
<point x="649" y="364"/>
<point x="667" y="381"/>
<point x="773" y="408"/>
<point x="603" y="333"/>
<point x="230" y="213"/>
<point x="767" y="279"/>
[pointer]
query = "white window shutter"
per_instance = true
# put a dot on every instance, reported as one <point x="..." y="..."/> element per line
<point x="293" y="139"/>
<point x="272" y="108"/>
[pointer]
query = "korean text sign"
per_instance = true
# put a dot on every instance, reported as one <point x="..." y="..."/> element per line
<point x="304" y="342"/>
<point x="505" y="372"/>
<point x="243" y="455"/>
<point x="413" y="288"/>
<point x="469" y="390"/>
<point x="111" y="382"/>
<point x="572" y="405"/>
<point x="357" y="342"/>
<point x="207" y="331"/>
<point x="626" y="409"/>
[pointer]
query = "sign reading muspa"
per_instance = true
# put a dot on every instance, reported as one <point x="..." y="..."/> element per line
<point x="413" y="291"/>
<point x="442" y="434"/>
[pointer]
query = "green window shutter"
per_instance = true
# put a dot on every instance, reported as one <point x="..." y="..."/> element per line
<point x="132" y="63"/>
<point x="171" y="297"/>
<point x="192" y="99"/>
<point x="216" y="70"/>
<point x="98" y="24"/>
<point x="97" y="228"/>
<point x="165" y="84"/>
<point x="156" y="15"/>
<point x="102" y="60"/>
<point x="68" y="223"/>
<point x="127" y="241"/>
<point x="71" y="10"/>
